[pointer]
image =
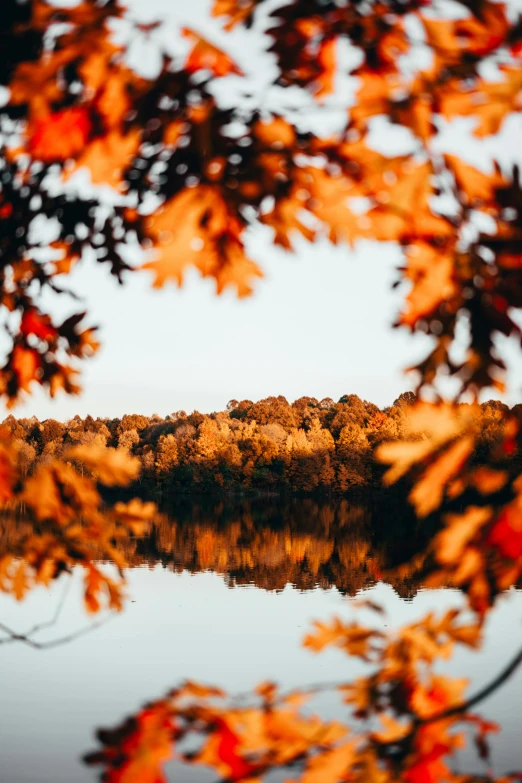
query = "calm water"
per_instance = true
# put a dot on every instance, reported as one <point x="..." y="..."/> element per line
<point x="223" y="593"/>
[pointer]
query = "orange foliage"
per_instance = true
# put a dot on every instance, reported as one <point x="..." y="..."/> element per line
<point x="74" y="102"/>
<point x="170" y="136"/>
<point x="69" y="525"/>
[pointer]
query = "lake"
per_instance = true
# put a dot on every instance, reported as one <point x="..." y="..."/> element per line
<point x="223" y="592"/>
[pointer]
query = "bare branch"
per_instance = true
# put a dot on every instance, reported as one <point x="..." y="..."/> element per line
<point x="25" y="639"/>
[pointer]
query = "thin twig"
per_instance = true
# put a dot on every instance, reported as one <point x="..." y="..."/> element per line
<point x="40" y="626"/>
<point x="309" y="690"/>
<point x="16" y="637"/>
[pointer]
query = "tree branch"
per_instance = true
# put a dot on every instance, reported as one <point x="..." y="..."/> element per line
<point x="20" y="637"/>
<point x="501" y="678"/>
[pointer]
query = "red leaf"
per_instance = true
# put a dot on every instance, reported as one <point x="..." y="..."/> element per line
<point x="228" y="752"/>
<point x="40" y="325"/>
<point x="506" y="534"/>
<point x="61" y="135"/>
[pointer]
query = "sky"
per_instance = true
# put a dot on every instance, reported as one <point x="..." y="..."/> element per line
<point x="318" y="324"/>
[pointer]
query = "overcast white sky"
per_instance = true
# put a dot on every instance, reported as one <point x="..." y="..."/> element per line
<point x="318" y="324"/>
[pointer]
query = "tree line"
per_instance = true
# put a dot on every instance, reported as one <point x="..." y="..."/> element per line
<point x="307" y="446"/>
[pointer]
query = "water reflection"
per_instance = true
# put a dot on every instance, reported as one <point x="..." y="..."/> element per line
<point x="181" y="621"/>
<point x="270" y="543"/>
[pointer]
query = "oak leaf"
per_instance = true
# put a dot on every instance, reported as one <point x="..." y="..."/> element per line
<point x="107" y="157"/>
<point x="222" y="751"/>
<point x="237" y="11"/>
<point x="431" y="271"/>
<point x="474" y="184"/>
<point x="353" y="638"/>
<point x="38" y="324"/>
<point x="206" y="56"/>
<point x="276" y="132"/>
<point x="490" y="102"/>
<point x="195" y="228"/>
<point x="20" y="584"/>
<point x="406" y="213"/>
<point x="137" y="751"/>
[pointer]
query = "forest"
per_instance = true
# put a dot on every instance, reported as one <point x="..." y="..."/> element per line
<point x="308" y="446"/>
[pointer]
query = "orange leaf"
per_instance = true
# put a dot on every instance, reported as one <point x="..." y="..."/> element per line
<point x="108" y="156"/>
<point x="25" y="363"/>
<point x="20" y="583"/>
<point x="237" y="11"/>
<point x="460" y="530"/>
<point x="330" y="766"/>
<point x="206" y="56"/>
<point x="476" y="185"/>
<point x="427" y="493"/>
<point x="327" y="59"/>
<point x="431" y="271"/>
<point x="276" y="133"/>
<point x="195" y="228"/>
